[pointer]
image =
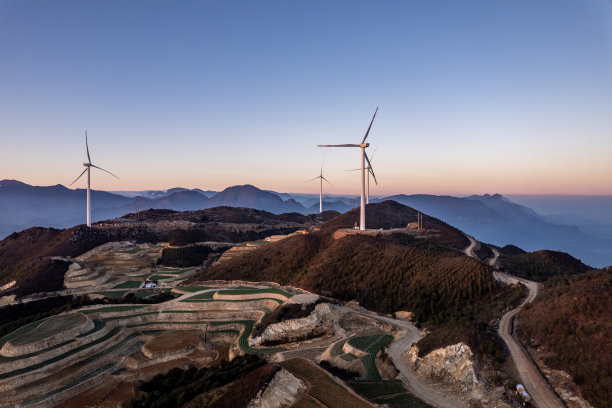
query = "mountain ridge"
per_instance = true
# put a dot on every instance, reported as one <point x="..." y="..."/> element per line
<point x="489" y="218"/>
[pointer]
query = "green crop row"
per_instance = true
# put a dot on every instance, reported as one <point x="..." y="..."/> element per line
<point x="128" y="285"/>
<point x="193" y="288"/>
<point x="383" y="341"/>
<point x="369" y="362"/>
<point x="201" y="296"/>
<point x="98" y="325"/>
<point x="142" y="294"/>
<point x="363" y="342"/>
<point x="376" y="389"/>
<point x="280" y="302"/>
<point x="250" y="291"/>
<point x="348" y="357"/>
<point x="388" y="393"/>
<point x="336" y="349"/>
<point x="231" y="331"/>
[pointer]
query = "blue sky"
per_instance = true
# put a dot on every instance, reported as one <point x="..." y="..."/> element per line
<point x="475" y="96"/>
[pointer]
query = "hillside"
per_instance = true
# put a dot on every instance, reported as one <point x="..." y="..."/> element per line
<point x="539" y="265"/>
<point x="569" y="324"/>
<point x="25" y="256"/>
<point x="427" y="274"/>
<point x="499" y="221"/>
<point x="488" y="218"/>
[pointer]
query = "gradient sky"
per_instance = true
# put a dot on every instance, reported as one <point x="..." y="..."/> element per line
<point x="486" y="96"/>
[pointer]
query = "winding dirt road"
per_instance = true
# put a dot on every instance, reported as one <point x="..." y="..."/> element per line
<point x="469" y="251"/>
<point x="493" y="260"/>
<point x="415" y="385"/>
<point x="535" y="384"/>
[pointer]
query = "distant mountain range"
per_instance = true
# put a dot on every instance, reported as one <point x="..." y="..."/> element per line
<point x="489" y="218"/>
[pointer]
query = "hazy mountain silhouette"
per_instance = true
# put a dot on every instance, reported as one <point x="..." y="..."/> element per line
<point x="497" y="220"/>
<point x="252" y="197"/>
<point x="489" y="218"/>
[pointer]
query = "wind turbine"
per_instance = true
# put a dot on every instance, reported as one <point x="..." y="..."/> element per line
<point x="320" y="176"/>
<point x="364" y="158"/>
<point x="88" y="167"/>
<point x="370" y="170"/>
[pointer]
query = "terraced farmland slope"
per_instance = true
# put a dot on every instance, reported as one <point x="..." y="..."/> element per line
<point x="28" y="259"/>
<point x="323" y="389"/>
<point x="63" y="356"/>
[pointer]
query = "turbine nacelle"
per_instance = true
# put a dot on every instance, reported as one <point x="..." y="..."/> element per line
<point x="87" y="164"/>
<point x="364" y="145"/>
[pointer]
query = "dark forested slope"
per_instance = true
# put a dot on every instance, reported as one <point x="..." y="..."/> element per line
<point x="539" y="265"/>
<point x="570" y="323"/>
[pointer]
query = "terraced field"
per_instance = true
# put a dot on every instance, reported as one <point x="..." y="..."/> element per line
<point x="128" y="285"/>
<point x="391" y="393"/>
<point x="323" y="389"/>
<point x="113" y="266"/>
<point x="370" y="344"/>
<point x="61" y="358"/>
<point x="78" y="361"/>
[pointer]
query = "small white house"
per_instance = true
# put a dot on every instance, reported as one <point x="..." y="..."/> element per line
<point x="149" y="285"/>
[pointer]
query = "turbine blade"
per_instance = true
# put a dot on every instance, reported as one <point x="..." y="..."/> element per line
<point x="105" y="171"/>
<point x="369" y="127"/>
<point x="372" y="156"/>
<point x="78" y="177"/>
<point x="375" y="181"/>
<point x="340" y="145"/>
<point x="308" y="181"/>
<point x="330" y="183"/>
<point x="87" y="147"/>
<point x="371" y="170"/>
<point x="352" y="169"/>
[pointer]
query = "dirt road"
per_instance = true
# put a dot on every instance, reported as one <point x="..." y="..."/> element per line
<point x="493" y="260"/>
<point x="469" y="251"/>
<point x="542" y="396"/>
<point x="417" y="386"/>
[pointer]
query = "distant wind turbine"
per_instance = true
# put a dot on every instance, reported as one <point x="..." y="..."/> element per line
<point x="364" y="158"/>
<point x="88" y="167"/>
<point x="370" y="171"/>
<point x="320" y="176"/>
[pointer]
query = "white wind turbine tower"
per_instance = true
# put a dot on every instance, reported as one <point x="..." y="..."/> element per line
<point x="370" y="170"/>
<point x="364" y="158"/>
<point x="320" y="176"/>
<point x="88" y="167"/>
